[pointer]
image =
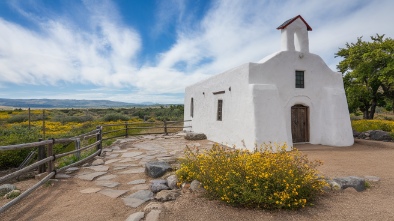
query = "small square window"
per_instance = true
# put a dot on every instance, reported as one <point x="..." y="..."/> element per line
<point x="299" y="79"/>
<point x="220" y="108"/>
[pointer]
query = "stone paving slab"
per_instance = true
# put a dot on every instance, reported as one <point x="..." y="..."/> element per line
<point x="139" y="181"/>
<point x="90" y="190"/>
<point x="107" y="183"/>
<point x="132" y="171"/>
<point x="119" y="151"/>
<point x="107" y="177"/>
<point x="114" y="155"/>
<point x="131" y="154"/>
<point x="91" y="176"/>
<point x="113" y="193"/>
<point x="111" y="161"/>
<point x="126" y="160"/>
<point x="100" y="168"/>
<point x="133" y="202"/>
<point x="140" y="187"/>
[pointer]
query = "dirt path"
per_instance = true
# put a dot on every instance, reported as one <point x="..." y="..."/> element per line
<point x="64" y="201"/>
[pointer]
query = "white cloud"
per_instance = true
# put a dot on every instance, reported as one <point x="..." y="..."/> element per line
<point x="102" y="50"/>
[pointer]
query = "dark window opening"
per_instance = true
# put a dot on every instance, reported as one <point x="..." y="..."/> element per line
<point x="299" y="82"/>
<point x="191" y="107"/>
<point x="220" y="109"/>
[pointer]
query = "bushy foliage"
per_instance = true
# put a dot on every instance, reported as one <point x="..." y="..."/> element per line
<point x="364" y="125"/>
<point x="265" y="178"/>
<point x="18" y="118"/>
<point x="115" y="117"/>
<point x="15" y="135"/>
<point x="77" y="119"/>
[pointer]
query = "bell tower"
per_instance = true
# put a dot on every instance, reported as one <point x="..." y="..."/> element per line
<point x="295" y="35"/>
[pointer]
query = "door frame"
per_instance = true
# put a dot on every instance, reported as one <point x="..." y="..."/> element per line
<point x="307" y="125"/>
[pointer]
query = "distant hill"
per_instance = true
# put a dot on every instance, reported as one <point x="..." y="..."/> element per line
<point x="67" y="103"/>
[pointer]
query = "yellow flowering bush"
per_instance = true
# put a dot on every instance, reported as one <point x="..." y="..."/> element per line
<point x="364" y="125"/>
<point x="269" y="178"/>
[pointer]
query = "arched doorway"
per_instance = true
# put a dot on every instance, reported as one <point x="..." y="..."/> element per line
<point x="299" y="123"/>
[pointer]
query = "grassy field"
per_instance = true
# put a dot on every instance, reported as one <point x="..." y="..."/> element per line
<point x="18" y="126"/>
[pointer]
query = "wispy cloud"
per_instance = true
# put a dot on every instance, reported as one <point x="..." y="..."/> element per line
<point x="92" y="45"/>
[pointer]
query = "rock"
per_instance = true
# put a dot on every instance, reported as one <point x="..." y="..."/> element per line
<point x="333" y="185"/>
<point x="172" y="182"/>
<point x="12" y="194"/>
<point x="153" y="215"/>
<point x="356" y="134"/>
<point x="196" y="186"/>
<point x="357" y="183"/>
<point x="195" y="136"/>
<point x="91" y="176"/>
<point x="158" y="185"/>
<point x="113" y="193"/>
<point x="136" y="216"/>
<point x="167" y="195"/>
<point x="98" y="162"/>
<point x="156" y="169"/>
<point x="106" y="150"/>
<point x="380" y="135"/>
<point x="153" y="206"/>
<point x="90" y="190"/>
<point x="140" y="181"/>
<point x="6" y="188"/>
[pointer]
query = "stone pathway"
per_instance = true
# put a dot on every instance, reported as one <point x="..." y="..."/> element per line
<point x="119" y="173"/>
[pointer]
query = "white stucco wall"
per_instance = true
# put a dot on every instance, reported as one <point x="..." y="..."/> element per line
<point x="237" y="125"/>
<point x="329" y="120"/>
<point x="257" y="108"/>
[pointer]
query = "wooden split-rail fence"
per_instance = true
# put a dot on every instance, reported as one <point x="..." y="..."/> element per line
<point x="46" y="161"/>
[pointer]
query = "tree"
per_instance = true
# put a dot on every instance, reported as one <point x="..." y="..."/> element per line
<point x="368" y="70"/>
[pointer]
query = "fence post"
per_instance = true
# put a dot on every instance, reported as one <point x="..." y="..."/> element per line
<point x="99" y="137"/>
<point x="77" y="147"/>
<point x="41" y="155"/>
<point x="165" y="127"/>
<point x="127" y="132"/>
<point x="51" y="163"/>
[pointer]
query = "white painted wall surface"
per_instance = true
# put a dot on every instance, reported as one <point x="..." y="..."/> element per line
<point x="257" y="109"/>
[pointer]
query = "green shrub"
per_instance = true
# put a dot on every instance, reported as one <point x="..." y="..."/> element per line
<point x="115" y="117"/>
<point x="262" y="179"/>
<point x="18" y="118"/>
<point x="16" y="135"/>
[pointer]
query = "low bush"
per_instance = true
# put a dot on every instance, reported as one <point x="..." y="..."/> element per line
<point x="115" y="117"/>
<point x="265" y="178"/>
<point x="15" y="135"/>
<point x="364" y="125"/>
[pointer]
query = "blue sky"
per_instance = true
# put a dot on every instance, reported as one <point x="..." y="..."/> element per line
<point x="149" y="51"/>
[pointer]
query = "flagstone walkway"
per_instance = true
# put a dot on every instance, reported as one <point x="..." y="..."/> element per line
<point x="119" y="173"/>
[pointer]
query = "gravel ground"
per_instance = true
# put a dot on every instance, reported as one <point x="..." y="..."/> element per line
<point x="63" y="201"/>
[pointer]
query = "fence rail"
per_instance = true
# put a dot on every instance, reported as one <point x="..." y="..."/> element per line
<point x="46" y="159"/>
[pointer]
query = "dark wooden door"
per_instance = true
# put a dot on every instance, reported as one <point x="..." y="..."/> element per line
<point x="299" y="123"/>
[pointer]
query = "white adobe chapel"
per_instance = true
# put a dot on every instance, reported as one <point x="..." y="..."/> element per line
<point x="290" y="96"/>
